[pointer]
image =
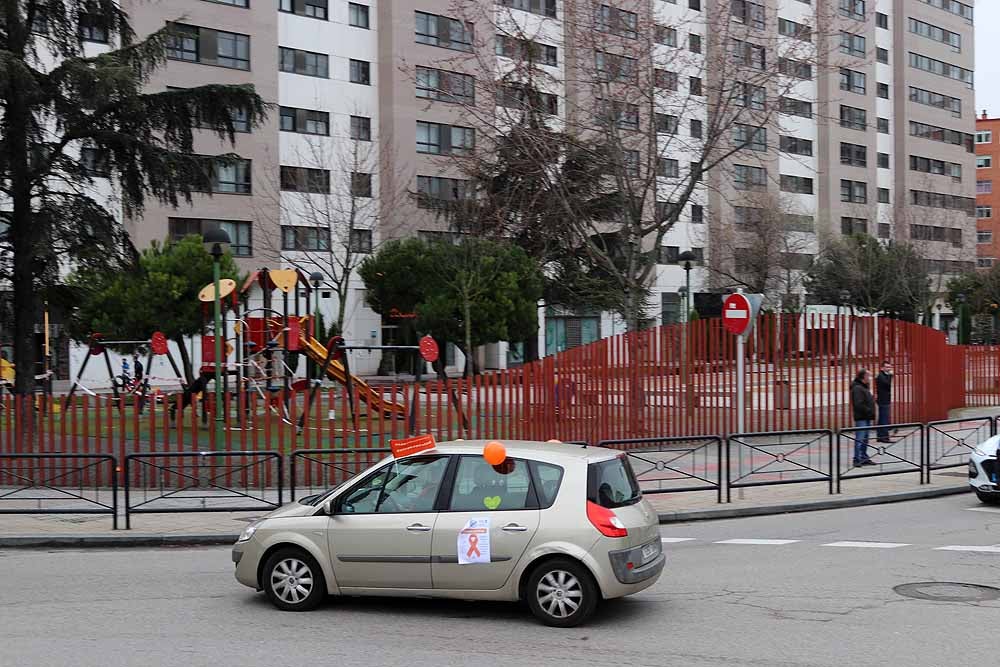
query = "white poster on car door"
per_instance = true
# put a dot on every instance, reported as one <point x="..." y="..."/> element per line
<point x="474" y="542"/>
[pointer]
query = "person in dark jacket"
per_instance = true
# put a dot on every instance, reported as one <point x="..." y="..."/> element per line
<point x="883" y="396"/>
<point x="863" y="408"/>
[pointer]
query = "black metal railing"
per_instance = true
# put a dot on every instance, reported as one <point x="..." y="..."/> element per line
<point x="324" y="469"/>
<point x="59" y="483"/>
<point x="779" y="457"/>
<point x="950" y="441"/>
<point x="903" y="452"/>
<point x="676" y="464"/>
<point x="172" y="482"/>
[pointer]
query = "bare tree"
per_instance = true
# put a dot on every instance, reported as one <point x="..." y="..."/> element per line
<point x="663" y="111"/>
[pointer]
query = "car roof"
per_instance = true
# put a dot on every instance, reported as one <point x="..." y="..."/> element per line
<point x="529" y="449"/>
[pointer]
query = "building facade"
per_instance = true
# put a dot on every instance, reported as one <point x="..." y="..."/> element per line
<point x="372" y="102"/>
<point x="987" y="200"/>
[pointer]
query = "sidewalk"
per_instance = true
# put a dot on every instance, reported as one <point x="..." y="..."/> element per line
<point x="223" y="527"/>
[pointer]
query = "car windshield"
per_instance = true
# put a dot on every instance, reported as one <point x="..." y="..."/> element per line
<point x="612" y="483"/>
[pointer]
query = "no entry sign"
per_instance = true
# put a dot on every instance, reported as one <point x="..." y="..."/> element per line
<point x="737" y="313"/>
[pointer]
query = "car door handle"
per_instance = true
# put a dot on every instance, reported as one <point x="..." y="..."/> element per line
<point x="514" y="528"/>
<point x="418" y="528"/>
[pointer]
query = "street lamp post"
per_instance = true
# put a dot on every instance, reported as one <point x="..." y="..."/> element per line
<point x="686" y="257"/>
<point x="217" y="241"/>
<point x="961" y="319"/>
<point x="316" y="278"/>
<point x="844" y="300"/>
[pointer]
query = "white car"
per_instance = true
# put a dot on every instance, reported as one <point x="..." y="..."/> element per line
<point x="983" y="470"/>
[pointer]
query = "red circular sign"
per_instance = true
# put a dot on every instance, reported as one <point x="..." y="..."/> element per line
<point x="429" y="349"/>
<point x="158" y="343"/>
<point x="736" y="310"/>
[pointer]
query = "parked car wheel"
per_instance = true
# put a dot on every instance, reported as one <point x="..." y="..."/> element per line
<point x="293" y="580"/>
<point x="988" y="498"/>
<point x="561" y="593"/>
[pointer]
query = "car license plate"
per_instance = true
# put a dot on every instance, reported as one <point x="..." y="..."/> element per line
<point x="649" y="552"/>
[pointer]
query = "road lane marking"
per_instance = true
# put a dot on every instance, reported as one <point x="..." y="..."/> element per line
<point x="991" y="510"/>
<point x="674" y="540"/>
<point x="867" y="545"/>
<point x="985" y="550"/>
<point x="760" y="542"/>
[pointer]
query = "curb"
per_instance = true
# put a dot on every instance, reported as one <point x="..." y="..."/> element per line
<point x="99" y="540"/>
<point x="684" y="516"/>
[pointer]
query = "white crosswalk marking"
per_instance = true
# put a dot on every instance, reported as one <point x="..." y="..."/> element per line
<point x="674" y="540"/>
<point x="759" y="542"/>
<point x="985" y="550"/>
<point x="867" y="545"/>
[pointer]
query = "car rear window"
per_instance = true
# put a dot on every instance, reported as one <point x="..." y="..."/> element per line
<point x="612" y="483"/>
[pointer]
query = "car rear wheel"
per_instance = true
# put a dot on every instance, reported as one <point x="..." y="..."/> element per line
<point x="988" y="498"/>
<point x="293" y="580"/>
<point x="561" y="593"/>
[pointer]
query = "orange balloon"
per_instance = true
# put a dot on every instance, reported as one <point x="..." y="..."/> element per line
<point x="494" y="453"/>
<point x="559" y="441"/>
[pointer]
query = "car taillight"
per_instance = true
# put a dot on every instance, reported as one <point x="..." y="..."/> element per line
<point x="605" y="521"/>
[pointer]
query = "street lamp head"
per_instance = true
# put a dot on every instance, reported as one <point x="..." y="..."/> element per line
<point x="961" y="298"/>
<point x="216" y="241"/>
<point x="682" y="290"/>
<point x="845" y="297"/>
<point x="316" y="278"/>
<point x="686" y="258"/>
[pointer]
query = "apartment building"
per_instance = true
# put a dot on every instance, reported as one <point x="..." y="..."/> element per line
<point x="987" y="200"/>
<point x="372" y="105"/>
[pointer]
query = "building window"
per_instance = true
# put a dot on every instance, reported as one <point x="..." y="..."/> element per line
<point x="853" y="118"/>
<point x="694" y="85"/>
<point x="93" y="29"/>
<point x="883" y="195"/>
<point x="304" y="121"/>
<point x="796" y="146"/>
<point x="617" y="21"/>
<point x="630" y="163"/>
<point x="748" y="215"/>
<point x="851" y="226"/>
<point x="854" y="9"/>
<point x="694" y="4"/>
<point x="795" y="107"/>
<point x="437" y="192"/>
<point x="361" y="185"/>
<point x="941" y="68"/>
<point x="984" y="212"/>
<point x="954" y="6"/>
<point x="523" y="97"/>
<point x="984" y="262"/>
<point x="984" y="236"/>
<point x="95" y="162"/>
<point x="304" y="62"/>
<point x="750" y="136"/>
<point x="442" y="31"/>
<point x="666" y="36"/>
<point x="747" y="54"/>
<point x="694" y="43"/>
<point x="881" y="20"/>
<point x="854" y="155"/>
<point x="527" y="50"/>
<point x="317" y="9"/>
<point x="303" y="179"/>
<point x="696" y="130"/>
<point x="852" y="82"/>
<point x="984" y="161"/>
<point x="946" y="102"/>
<point x="445" y="86"/>
<point x="664" y="79"/>
<point x="361" y="128"/>
<point x="666" y="124"/>
<point x="305" y="239"/>
<point x="361" y="72"/>
<point x="796" y="184"/>
<point x="984" y="187"/>
<point x="746" y="177"/>
<point x="952" y="39"/>
<point x="749" y="13"/>
<point x="795" y="30"/>
<point x="667" y="167"/>
<point x="358" y="15"/>
<point x="238" y="231"/>
<point x="751" y="96"/>
<point x="943" y="201"/>
<point x="882" y="125"/>
<point x="795" y="68"/>
<point x="209" y="47"/>
<point x="884" y="230"/>
<point x="854" y="192"/>
<point x="625" y="116"/>
<point x="611" y="67"/>
<point x="541" y="7"/>
<point x="883" y="90"/>
<point x="984" y="137"/>
<point x="231" y="176"/>
<point x="883" y="160"/>
<point x="852" y="45"/>
<point x="882" y="55"/>
<point x="697" y="214"/>
<point x="361" y="241"/>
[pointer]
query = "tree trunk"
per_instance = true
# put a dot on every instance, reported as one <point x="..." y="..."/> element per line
<point x="531" y="352"/>
<point x="185" y="361"/>
<point x="342" y="294"/>
<point x="467" y="314"/>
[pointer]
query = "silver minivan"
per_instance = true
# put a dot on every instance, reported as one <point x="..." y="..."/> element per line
<point x="559" y="526"/>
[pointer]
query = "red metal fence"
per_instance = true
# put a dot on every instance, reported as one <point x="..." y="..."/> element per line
<point x="668" y="381"/>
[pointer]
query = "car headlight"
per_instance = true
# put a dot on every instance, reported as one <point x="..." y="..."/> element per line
<point x="973" y="470"/>
<point x="248" y="532"/>
<point x="979" y="452"/>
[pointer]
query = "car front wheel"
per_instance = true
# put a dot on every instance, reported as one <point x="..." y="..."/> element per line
<point x="293" y="580"/>
<point x="561" y="593"/>
<point x="988" y="498"/>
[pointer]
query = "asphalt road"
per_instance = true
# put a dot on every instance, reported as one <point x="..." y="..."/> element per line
<point x="804" y="593"/>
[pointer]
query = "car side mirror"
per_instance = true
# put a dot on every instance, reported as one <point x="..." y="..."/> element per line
<point x="329" y="507"/>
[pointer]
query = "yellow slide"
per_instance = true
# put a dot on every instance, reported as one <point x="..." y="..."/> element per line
<point x="316" y="351"/>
